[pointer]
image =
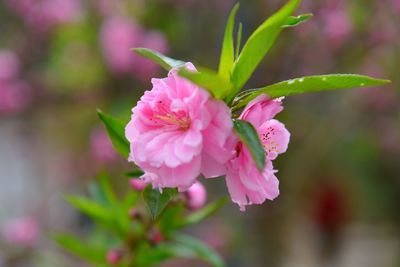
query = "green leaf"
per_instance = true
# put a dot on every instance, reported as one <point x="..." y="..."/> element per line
<point x="239" y="39"/>
<point x="116" y="132"/>
<point x="307" y="85"/>
<point x="259" y="44"/>
<point x="227" y="53"/>
<point x="84" y="251"/>
<point x="205" y="212"/>
<point x="296" y="20"/>
<point x="92" y="209"/>
<point x="166" y="62"/>
<point x="250" y="138"/>
<point x="209" y="80"/>
<point x="107" y="189"/>
<point x="192" y="248"/>
<point x="134" y="173"/>
<point x="157" y="201"/>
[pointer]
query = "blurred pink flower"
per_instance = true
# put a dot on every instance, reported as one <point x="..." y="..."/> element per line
<point x="144" y="68"/>
<point x="9" y="65"/>
<point x="396" y="5"/>
<point x="44" y="14"/>
<point x="168" y="132"/>
<point x="246" y="184"/>
<point x="196" y="196"/>
<point x="14" y="96"/>
<point x="118" y="36"/>
<point x="337" y="26"/>
<point x="21" y="231"/>
<point x="101" y="147"/>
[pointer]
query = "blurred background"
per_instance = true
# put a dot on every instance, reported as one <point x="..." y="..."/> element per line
<point x="340" y="179"/>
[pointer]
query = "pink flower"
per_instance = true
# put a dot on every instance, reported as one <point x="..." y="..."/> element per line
<point x="196" y="196"/>
<point x="246" y="184"/>
<point x="45" y="14"/>
<point x="143" y="68"/>
<point x="14" y="96"/>
<point x="178" y="131"/>
<point x="21" y="231"/>
<point x="338" y="26"/>
<point x="118" y="36"/>
<point x="9" y="65"/>
<point x="101" y="147"/>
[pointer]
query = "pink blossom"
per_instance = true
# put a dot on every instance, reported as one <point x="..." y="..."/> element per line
<point x="246" y="184"/>
<point x="144" y="68"/>
<point x="9" y="65"/>
<point x="118" y="36"/>
<point x="44" y="14"/>
<point x="338" y="26"/>
<point x="196" y="196"/>
<point x="21" y="231"/>
<point x="178" y="131"/>
<point x="101" y="146"/>
<point x="14" y="96"/>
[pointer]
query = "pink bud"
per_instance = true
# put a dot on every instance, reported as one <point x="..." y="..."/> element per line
<point x="196" y="196"/>
<point x="155" y="236"/>
<point x="138" y="184"/>
<point x="21" y="231"/>
<point x="114" y="256"/>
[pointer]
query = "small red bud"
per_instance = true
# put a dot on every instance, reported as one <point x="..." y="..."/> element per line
<point x="114" y="256"/>
<point x="155" y="236"/>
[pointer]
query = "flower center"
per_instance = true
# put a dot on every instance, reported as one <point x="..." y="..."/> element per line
<point x="171" y="118"/>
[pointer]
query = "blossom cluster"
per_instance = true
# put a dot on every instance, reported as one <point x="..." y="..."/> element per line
<point x="178" y="132"/>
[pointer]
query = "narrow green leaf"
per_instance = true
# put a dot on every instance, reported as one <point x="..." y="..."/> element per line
<point x="205" y="212"/>
<point x="157" y="201"/>
<point x="239" y="39"/>
<point x="259" y="44"/>
<point x="250" y="138"/>
<point x="116" y="132"/>
<point x="106" y="187"/>
<point x="209" y="80"/>
<point x="192" y="248"/>
<point x="92" y="209"/>
<point x="227" y="53"/>
<point x="134" y="173"/>
<point x="166" y="62"/>
<point x="307" y="85"/>
<point x="80" y="249"/>
<point x="296" y="20"/>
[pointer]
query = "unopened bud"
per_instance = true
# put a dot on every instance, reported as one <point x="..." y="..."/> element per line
<point x="114" y="256"/>
<point x="134" y="213"/>
<point x="196" y="196"/>
<point x="138" y="184"/>
<point x="155" y="236"/>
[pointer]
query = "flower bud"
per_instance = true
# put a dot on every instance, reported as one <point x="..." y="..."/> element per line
<point x="196" y="196"/>
<point x="155" y="236"/>
<point x="138" y="184"/>
<point x="114" y="256"/>
<point x="134" y="213"/>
